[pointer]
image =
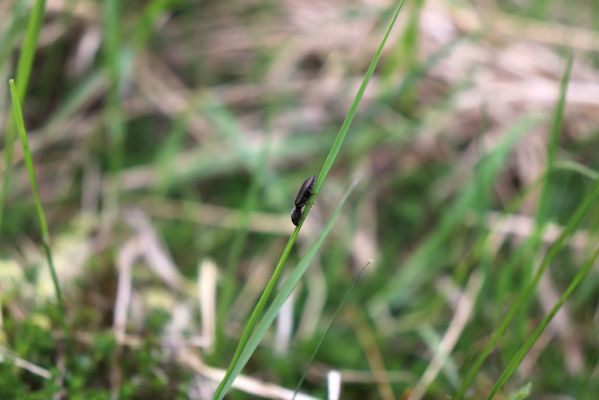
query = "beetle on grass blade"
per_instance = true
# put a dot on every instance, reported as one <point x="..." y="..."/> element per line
<point x="302" y="198"/>
<point x="296" y="214"/>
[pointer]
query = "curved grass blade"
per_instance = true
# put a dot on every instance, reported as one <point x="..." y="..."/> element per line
<point x="590" y="200"/>
<point x="525" y="348"/>
<point x="257" y="312"/>
<point x="541" y="220"/>
<point x="273" y="310"/>
<point x="17" y="116"/>
<point x="578" y="168"/>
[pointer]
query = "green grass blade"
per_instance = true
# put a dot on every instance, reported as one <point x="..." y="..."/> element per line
<point x="352" y="110"/>
<point x="24" y="64"/>
<point x="528" y="252"/>
<point x="17" y="115"/>
<point x="525" y="295"/>
<point x="271" y="313"/>
<point x="542" y="212"/>
<point x="255" y="315"/>
<point x="578" y="168"/>
<point x="329" y="326"/>
<point x="519" y="356"/>
<point x="332" y="155"/>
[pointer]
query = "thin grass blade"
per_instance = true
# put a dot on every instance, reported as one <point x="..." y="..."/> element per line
<point x="17" y="115"/>
<point x="541" y="220"/>
<point x="352" y="109"/>
<point x="332" y="155"/>
<point x="589" y="201"/>
<point x="519" y="356"/>
<point x="286" y="289"/>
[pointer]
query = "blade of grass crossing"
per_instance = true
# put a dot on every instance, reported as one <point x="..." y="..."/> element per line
<point x="525" y="295"/>
<point x="17" y="115"/>
<point x="269" y="316"/>
<point x="519" y="356"/>
<point x="34" y="25"/>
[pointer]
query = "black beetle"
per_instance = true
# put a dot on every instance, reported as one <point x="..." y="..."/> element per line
<point x="302" y="198"/>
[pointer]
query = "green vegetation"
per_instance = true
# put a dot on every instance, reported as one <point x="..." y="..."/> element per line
<point x="146" y="248"/>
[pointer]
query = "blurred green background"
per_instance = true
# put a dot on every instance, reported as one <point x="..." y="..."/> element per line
<point x="170" y="137"/>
